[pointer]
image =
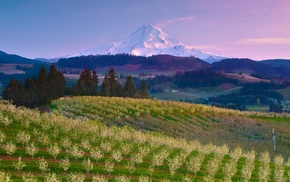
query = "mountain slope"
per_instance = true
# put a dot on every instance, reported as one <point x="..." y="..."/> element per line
<point x="149" y="40"/>
<point x="278" y="62"/>
<point x="250" y="66"/>
<point x="164" y="63"/>
<point x="14" y="59"/>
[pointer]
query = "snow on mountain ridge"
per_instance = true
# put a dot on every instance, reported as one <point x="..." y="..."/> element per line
<point x="149" y="40"/>
<point x="147" y="37"/>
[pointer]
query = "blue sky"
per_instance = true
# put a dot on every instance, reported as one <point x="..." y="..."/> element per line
<point x="257" y="29"/>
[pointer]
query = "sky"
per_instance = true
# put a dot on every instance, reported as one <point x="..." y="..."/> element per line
<point x="256" y="29"/>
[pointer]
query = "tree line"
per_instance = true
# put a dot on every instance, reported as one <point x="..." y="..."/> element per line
<point x="52" y="85"/>
<point x="110" y="87"/>
<point x="262" y="93"/>
<point x="35" y="91"/>
<point x="201" y="78"/>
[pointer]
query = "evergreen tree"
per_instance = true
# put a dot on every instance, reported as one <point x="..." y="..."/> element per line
<point x="36" y="91"/>
<point x="42" y="85"/>
<point x="13" y="91"/>
<point x="119" y="90"/>
<point x="129" y="89"/>
<point x="111" y="86"/>
<point x="137" y="94"/>
<point x="30" y="93"/>
<point x="87" y="83"/>
<point x="113" y="83"/>
<point x="144" y="90"/>
<point x="56" y="83"/>
<point x="83" y="82"/>
<point x="95" y="82"/>
<point x="6" y="95"/>
<point x="106" y="86"/>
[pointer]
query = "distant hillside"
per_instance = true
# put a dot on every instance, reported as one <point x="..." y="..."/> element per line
<point x="47" y="60"/>
<point x="250" y="66"/>
<point x="14" y="59"/>
<point x="278" y="62"/>
<point x="160" y="62"/>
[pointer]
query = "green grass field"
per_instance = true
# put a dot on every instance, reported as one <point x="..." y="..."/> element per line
<point x="117" y="139"/>
<point x="194" y="94"/>
<point x="258" y="108"/>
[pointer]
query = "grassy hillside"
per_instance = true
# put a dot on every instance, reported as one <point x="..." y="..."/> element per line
<point x="194" y="94"/>
<point x="250" y="130"/>
<point x="76" y="147"/>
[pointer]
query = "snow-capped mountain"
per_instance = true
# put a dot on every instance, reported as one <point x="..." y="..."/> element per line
<point x="149" y="40"/>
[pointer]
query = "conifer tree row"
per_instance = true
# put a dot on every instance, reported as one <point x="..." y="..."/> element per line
<point x="110" y="87"/>
<point x="87" y="83"/>
<point x="36" y="91"/>
<point x="52" y="85"/>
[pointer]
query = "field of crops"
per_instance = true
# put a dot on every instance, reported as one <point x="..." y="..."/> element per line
<point x="249" y="130"/>
<point x="77" y="146"/>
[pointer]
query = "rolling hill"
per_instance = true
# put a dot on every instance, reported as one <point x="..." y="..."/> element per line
<point x="249" y="66"/>
<point x="72" y="143"/>
<point x="125" y="63"/>
<point x="278" y="62"/>
<point x="14" y="59"/>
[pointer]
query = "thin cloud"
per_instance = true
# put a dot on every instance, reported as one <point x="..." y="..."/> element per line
<point x="173" y="20"/>
<point x="179" y="19"/>
<point x="264" y="41"/>
<point x="203" y="47"/>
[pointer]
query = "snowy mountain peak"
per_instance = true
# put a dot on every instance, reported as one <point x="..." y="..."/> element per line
<point x="151" y="34"/>
<point x="145" y="30"/>
<point x="147" y="40"/>
<point x="150" y="40"/>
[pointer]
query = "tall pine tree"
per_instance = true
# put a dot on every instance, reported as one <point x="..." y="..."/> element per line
<point x="56" y="83"/>
<point x="34" y="91"/>
<point x="95" y="82"/>
<point x="144" y="90"/>
<point x="130" y="88"/>
<point x="106" y="86"/>
<point x="13" y="91"/>
<point x="87" y="83"/>
<point x="115" y="86"/>
<point x="30" y="93"/>
<point x="42" y="85"/>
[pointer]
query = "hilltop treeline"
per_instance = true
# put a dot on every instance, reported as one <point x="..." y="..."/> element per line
<point x="35" y="91"/>
<point x="49" y="86"/>
<point x="110" y="87"/>
<point x="201" y="78"/>
<point x="262" y="69"/>
<point x="262" y="93"/>
<point x="160" y="62"/>
<point x="192" y="79"/>
<point x="29" y="72"/>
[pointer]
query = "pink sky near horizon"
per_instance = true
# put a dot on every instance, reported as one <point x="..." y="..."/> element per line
<point x="257" y="29"/>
